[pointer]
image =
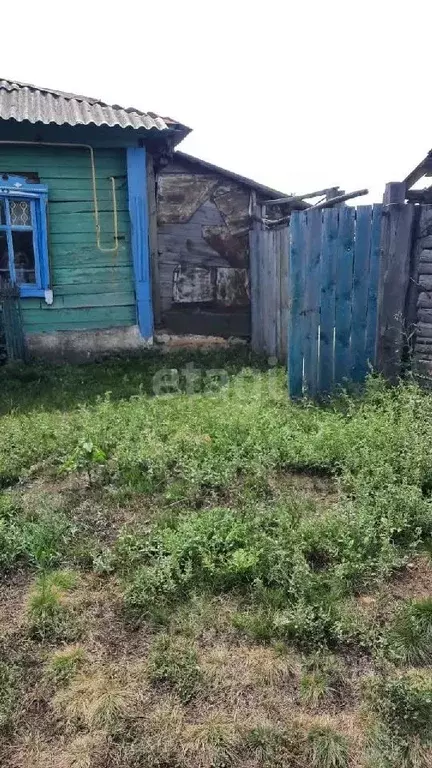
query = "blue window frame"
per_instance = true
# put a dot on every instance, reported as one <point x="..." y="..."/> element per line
<point x="23" y="235"/>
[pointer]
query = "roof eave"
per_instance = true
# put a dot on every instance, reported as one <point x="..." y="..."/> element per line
<point x="255" y="185"/>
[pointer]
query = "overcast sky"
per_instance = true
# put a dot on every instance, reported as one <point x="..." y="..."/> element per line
<point x="298" y="95"/>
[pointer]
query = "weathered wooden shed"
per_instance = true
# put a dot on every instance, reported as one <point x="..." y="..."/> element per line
<point x="201" y="276"/>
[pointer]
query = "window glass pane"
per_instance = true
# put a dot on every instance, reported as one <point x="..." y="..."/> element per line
<point x="20" y="213"/>
<point x="24" y="258"/>
<point x="4" y="257"/>
<point x="2" y="212"/>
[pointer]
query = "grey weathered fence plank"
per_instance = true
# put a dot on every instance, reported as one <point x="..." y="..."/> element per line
<point x="271" y="294"/>
<point x="284" y="288"/>
<point x="277" y="255"/>
<point x="396" y="241"/>
<point x="269" y="289"/>
<point x="255" y="292"/>
<point x="276" y="289"/>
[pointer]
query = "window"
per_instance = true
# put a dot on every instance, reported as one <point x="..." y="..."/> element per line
<point x="23" y="235"/>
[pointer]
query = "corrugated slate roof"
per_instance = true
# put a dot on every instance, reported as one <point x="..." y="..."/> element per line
<point x="22" y="101"/>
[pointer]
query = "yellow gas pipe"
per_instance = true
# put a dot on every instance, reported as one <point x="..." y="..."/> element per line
<point x="93" y="173"/>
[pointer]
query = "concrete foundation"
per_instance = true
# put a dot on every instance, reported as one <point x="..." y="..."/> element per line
<point x="82" y="346"/>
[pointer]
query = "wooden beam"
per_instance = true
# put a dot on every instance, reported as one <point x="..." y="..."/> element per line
<point x="339" y="199"/>
<point x="420" y="170"/>
<point x="294" y="198"/>
<point x="419" y="195"/>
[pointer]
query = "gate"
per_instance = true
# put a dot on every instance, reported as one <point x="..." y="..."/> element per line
<point x="335" y="292"/>
<point x="333" y="296"/>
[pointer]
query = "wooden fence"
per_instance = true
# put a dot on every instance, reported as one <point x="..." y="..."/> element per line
<point x="332" y="293"/>
<point x="269" y="253"/>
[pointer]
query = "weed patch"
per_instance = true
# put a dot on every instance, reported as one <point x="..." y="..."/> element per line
<point x="173" y="664"/>
<point x="410" y="637"/>
<point x="49" y="618"/>
<point x="326" y="748"/>
<point x="403" y="703"/>
<point x="8" y="694"/>
<point x="65" y="663"/>
<point x="242" y="548"/>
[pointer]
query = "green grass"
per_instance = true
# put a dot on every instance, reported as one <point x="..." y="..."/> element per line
<point x="65" y="663"/>
<point x="411" y="633"/>
<point x="9" y="676"/>
<point x="173" y="663"/>
<point x="163" y="529"/>
<point x="327" y="749"/>
<point x="48" y="616"/>
<point x="403" y="703"/>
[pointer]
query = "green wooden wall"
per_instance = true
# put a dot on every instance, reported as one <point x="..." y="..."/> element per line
<point x="91" y="289"/>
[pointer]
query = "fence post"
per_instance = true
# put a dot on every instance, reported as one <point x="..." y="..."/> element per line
<point x="396" y="243"/>
<point x="395" y="192"/>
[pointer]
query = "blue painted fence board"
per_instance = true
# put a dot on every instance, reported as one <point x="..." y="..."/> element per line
<point x="334" y="273"/>
<point x="312" y="300"/>
<point x="374" y="268"/>
<point x="360" y="292"/>
<point x="328" y="279"/>
<point x="344" y="279"/>
<point x="296" y="316"/>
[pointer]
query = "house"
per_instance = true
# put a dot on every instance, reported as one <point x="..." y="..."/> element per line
<point x="109" y="233"/>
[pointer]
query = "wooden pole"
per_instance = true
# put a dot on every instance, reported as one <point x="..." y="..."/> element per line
<point x="294" y="198"/>
<point x="338" y="199"/>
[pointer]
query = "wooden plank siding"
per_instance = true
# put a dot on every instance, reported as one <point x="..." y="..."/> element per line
<point x="91" y="289"/>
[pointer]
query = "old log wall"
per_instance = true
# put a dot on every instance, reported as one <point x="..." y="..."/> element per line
<point x="422" y="279"/>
